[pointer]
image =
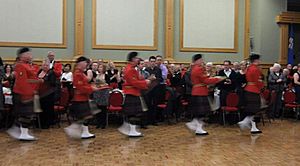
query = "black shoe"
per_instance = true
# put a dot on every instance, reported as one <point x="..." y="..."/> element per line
<point x="135" y="136"/>
<point x="144" y="127"/>
<point x="45" y="127"/>
<point x="256" y="132"/>
<point x="100" y="126"/>
<point x="201" y="134"/>
<point x="154" y="124"/>
<point x="94" y="136"/>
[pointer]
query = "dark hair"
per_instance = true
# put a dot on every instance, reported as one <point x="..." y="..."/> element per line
<point x="131" y="55"/>
<point x="23" y="50"/>
<point x="196" y="57"/>
<point x="158" y="56"/>
<point x="5" y="67"/>
<point x="227" y="61"/>
<point x="68" y="64"/>
<point x="152" y="57"/>
<point x="254" y="57"/>
<point x="103" y="66"/>
<point x="82" y="58"/>
<point x="1" y="62"/>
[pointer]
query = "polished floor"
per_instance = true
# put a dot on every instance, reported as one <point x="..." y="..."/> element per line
<point x="162" y="145"/>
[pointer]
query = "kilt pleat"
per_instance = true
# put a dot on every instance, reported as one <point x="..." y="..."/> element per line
<point x="22" y="108"/>
<point x="252" y="102"/>
<point x="132" y="105"/>
<point x="199" y="106"/>
<point x="80" y="110"/>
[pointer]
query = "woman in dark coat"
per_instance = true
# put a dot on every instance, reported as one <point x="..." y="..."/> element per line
<point x="47" y="94"/>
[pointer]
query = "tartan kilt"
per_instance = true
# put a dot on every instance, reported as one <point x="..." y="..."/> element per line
<point x="22" y="108"/>
<point x="252" y="102"/>
<point x="132" y="105"/>
<point x="81" y="110"/>
<point x="199" y="106"/>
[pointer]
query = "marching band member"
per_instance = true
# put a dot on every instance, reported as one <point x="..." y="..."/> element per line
<point x="199" y="100"/>
<point x="24" y="89"/>
<point x="80" y="107"/>
<point x="132" y="89"/>
<point x="252" y="94"/>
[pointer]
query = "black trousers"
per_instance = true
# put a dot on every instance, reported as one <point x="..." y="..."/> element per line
<point x="223" y="95"/>
<point x="153" y="98"/>
<point x="101" y="117"/>
<point x="47" y="105"/>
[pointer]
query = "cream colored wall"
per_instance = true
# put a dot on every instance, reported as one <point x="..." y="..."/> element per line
<point x="40" y="53"/>
<point x="263" y="28"/>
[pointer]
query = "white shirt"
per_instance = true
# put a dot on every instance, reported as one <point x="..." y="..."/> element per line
<point x="67" y="76"/>
<point x="228" y="72"/>
<point x="51" y="64"/>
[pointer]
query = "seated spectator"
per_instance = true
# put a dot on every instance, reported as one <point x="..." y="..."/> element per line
<point x="8" y="77"/>
<point x="297" y="83"/>
<point x="113" y="75"/>
<point x="236" y="66"/>
<point x="47" y="94"/>
<point x="101" y="96"/>
<point x="67" y="78"/>
<point x="276" y="82"/>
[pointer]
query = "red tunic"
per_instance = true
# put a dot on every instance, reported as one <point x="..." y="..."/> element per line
<point x="57" y="68"/>
<point x="133" y="82"/>
<point x="82" y="89"/>
<point x="254" y="81"/>
<point x="35" y="68"/>
<point x="24" y="72"/>
<point x="200" y="80"/>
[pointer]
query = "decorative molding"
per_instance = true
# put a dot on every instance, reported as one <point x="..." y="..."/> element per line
<point x="288" y="18"/>
<point x="284" y="19"/>
<point x="247" y="29"/>
<point x="169" y="30"/>
<point x="122" y="63"/>
<point x="224" y="50"/>
<point x="126" y="47"/>
<point x="79" y="27"/>
<point x="284" y="39"/>
<point x="45" y="45"/>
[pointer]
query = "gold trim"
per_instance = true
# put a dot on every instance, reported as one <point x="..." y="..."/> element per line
<point x="284" y="19"/>
<point x="288" y="18"/>
<point x="247" y="29"/>
<point x="79" y="27"/>
<point x="194" y="49"/>
<point x="46" y="45"/>
<point x="264" y="66"/>
<point x="126" y="47"/>
<point x="169" y="30"/>
<point x="284" y="41"/>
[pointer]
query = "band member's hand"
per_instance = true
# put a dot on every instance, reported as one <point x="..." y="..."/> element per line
<point x="227" y="81"/>
<point x="221" y="78"/>
<point x="279" y="80"/>
<point x="95" y="88"/>
<point x="243" y="85"/>
<point x="148" y="82"/>
<point x="152" y="77"/>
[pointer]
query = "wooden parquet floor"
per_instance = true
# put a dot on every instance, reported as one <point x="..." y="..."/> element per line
<point x="162" y="145"/>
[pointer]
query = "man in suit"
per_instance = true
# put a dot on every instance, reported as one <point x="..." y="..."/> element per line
<point x="154" y="90"/>
<point x="56" y="66"/>
<point x="276" y="81"/>
<point x="229" y="84"/>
